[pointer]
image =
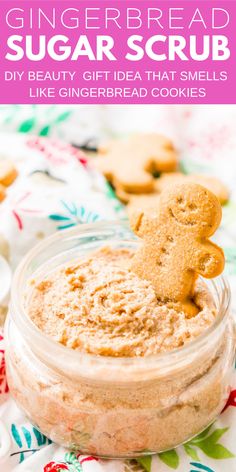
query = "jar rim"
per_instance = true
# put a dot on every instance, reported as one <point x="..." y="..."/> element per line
<point x="31" y="331"/>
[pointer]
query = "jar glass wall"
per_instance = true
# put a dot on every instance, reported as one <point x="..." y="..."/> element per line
<point x="114" y="407"/>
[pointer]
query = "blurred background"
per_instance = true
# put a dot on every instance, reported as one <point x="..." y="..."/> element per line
<point x="58" y="186"/>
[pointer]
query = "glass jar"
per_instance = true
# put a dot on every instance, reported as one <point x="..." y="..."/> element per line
<point x="114" y="407"/>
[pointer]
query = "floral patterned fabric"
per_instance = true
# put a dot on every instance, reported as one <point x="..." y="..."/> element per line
<point x="57" y="188"/>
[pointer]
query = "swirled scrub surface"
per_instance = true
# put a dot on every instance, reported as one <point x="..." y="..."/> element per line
<point x="97" y="305"/>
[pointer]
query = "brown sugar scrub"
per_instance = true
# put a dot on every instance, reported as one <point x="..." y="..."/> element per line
<point x="99" y="361"/>
<point x="104" y="308"/>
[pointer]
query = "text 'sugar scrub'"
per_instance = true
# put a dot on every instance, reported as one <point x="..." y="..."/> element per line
<point x="158" y="46"/>
<point x="118" y="53"/>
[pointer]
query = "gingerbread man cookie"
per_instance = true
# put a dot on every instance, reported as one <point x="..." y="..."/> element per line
<point x="176" y="248"/>
<point x="130" y="163"/>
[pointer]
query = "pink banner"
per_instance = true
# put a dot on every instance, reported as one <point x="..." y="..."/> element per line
<point x="133" y="51"/>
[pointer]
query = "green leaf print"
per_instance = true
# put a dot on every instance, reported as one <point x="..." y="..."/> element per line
<point x="28" y="440"/>
<point x="216" y="435"/>
<point x="215" y="451"/>
<point x="16" y="435"/>
<point x="145" y="462"/>
<point x="73" y="215"/>
<point x="59" y="217"/>
<point x="170" y="458"/>
<point x="27" y="436"/>
<point x="45" y="131"/>
<point x="40" y="438"/>
<point x="191" y="452"/>
<point x="208" y="443"/>
<point x="27" y="125"/>
<point x="110" y="192"/>
<point x="73" y="462"/>
<point x="200" y="467"/>
<point x="63" y="116"/>
<point x="202" y="435"/>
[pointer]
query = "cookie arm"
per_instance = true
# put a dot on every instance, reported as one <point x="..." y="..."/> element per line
<point x="136" y="219"/>
<point x="144" y="224"/>
<point x="210" y="260"/>
<point x="166" y="161"/>
<point x="101" y="163"/>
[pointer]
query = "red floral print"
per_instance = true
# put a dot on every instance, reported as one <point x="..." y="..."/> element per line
<point x="231" y="400"/>
<point x="18" y="207"/>
<point x="55" y="467"/>
<point x="55" y="151"/>
<point x="3" y="380"/>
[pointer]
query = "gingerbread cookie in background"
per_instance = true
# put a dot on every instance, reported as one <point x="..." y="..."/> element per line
<point x="175" y="247"/>
<point x="4" y="247"/>
<point x="214" y="184"/>
<point x="150" y="200"/>
<point x="5" y="277"/>
<point x="129" y="164"/>
<point x="8" y="174"/>
<point x="2" y="193"/>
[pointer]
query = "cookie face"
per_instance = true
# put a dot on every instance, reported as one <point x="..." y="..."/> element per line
<point x="129" y="164"/>
<point x="192" y="206"/>
<point x="175" y="248"/>
<point x="8" y="172"/>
